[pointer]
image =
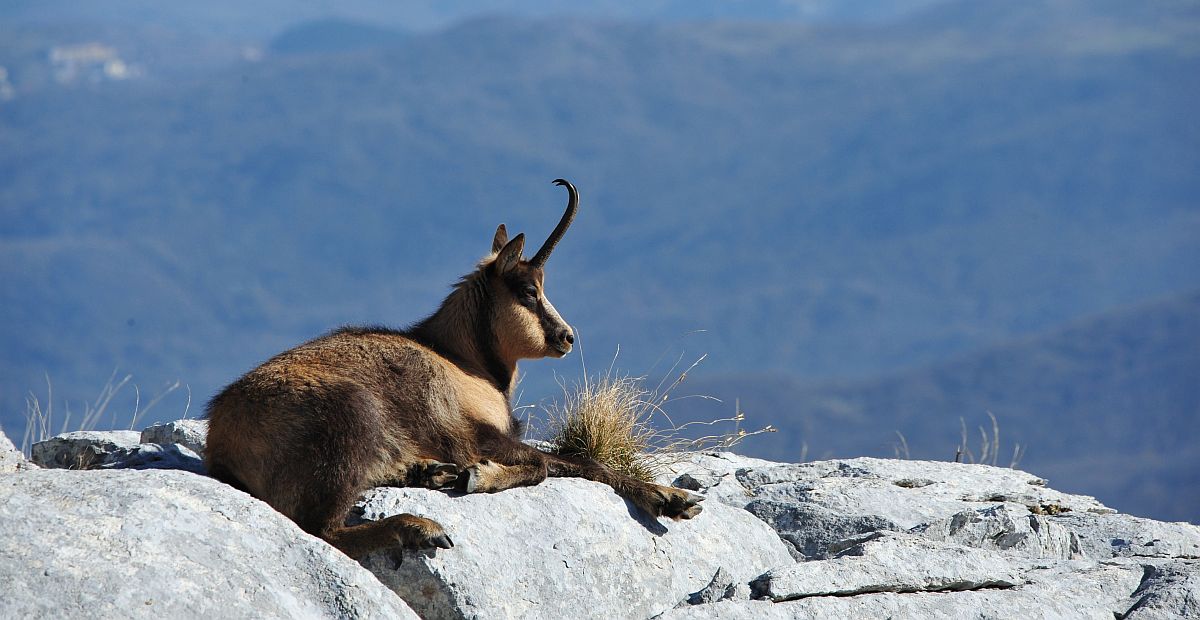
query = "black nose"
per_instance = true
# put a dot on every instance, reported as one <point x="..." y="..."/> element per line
<point x="567" y="336"/>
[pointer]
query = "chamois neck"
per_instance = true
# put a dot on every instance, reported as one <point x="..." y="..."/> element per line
<point x="461" y="330"/>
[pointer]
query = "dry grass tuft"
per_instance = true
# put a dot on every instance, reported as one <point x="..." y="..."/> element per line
<point x="606" y="420"/>
<point x="610" y="420"/>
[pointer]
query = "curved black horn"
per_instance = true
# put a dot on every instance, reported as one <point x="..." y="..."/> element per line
<point x="539" y="259"/>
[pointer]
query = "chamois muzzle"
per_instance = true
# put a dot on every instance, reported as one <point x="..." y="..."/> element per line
<point x="539" y="259"/>
<point x="563" y="340"/>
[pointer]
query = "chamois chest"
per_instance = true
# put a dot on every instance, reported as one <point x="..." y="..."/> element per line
<point x="425" y="383"/>
<point x="481" y="402"/>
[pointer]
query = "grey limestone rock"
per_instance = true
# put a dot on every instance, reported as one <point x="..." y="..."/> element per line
<point x="11" y="459"/>
<point x="1057" y="589"/>
<point x="907" y="493"/>
<point x="84" y="449"/>
<point x="1169" y="590"/>
<point x="890" y="562"/>
<point x="723" y="587"/>
<point x="192" y="434"/>
<point x="115" y="450"/>
<point x="156" y="456"/>
<point x="710" y="466"/>
<point x="982" y="542"/>
<point x="810" y="529"/>
<point x="167" y="544"/>
<point x="537" y="552"/>
<point x="1007" y="527"/>
<point x="878" y="538"/>
<point x="714" y="474"/>
<point x="1113" y="535"/>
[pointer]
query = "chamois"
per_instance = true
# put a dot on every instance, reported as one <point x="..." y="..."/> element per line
<point x="313" y="427"/>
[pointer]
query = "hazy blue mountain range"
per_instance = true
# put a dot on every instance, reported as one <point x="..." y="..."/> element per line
<point x="264" y="18"/>
<point x="1119" y="388"/>
<point x="830" y="201"/>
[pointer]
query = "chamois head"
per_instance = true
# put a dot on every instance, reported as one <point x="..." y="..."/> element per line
<point x="525" y="323"/>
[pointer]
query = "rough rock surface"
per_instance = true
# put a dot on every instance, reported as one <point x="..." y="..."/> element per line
<point x="540" y="551"/>
<point x="191" y="434"/>
<point x="84" y="449"/>
<point x="1064" y="589"/>
<point x="811" y="529"/>
<point x="1005" y="527"/>
<point x="11" y="459"/>
<point x="155" y="456"/>
<point x="1169" y="590"/>
<point x="1113" y="535"/>
<point x="715" y="473"/>
<point x="723" y="587"/>
<point x="890" y="562"/>
<point x="908" y="493"/>
<point x="1073" y="557"/>
<point x="164" y="544"/>
<point x="118" y="450"/>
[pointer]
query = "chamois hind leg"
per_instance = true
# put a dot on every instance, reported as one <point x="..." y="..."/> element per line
<point x="340" y="442"/>
<point x="327" y="519"/>
<point x="404" y="531"/>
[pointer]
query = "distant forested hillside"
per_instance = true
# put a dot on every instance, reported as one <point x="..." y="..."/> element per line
<point x="828" y="200"/>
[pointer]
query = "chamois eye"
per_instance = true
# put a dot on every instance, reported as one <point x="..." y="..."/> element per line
<point x="529" y="292"/>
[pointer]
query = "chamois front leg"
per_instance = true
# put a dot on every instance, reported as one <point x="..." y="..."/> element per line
<point x="654" y="499"/>
<point x="504" y="463"/>
<point x="433" y="474"/>
<point x="489" y="476"/>
<point x="512" y="463"/>
<point x="424" y="473"/>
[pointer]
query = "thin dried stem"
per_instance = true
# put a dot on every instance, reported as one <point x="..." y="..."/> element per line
<point x="901" y="449"/>
<point x="995" y="438"/>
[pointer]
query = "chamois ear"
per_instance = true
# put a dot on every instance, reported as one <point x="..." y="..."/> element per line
<point x="510" y="255"/>
<point x="500" y="239"/>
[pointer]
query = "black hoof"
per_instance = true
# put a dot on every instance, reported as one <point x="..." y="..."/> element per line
<point x="434" y="475"/>
<point x="680" y="504"/>
<point x="468" y="480"/>
<point x="444" y="475"/>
